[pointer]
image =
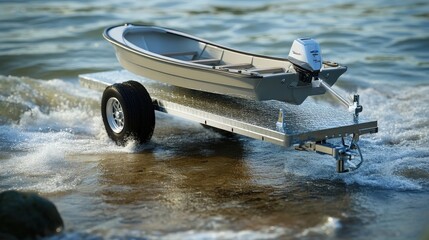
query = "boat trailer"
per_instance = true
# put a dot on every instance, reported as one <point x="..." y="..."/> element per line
<point x="316" y="126"/>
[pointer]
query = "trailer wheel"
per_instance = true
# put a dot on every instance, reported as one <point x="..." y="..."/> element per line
<point x="128" y="112"/>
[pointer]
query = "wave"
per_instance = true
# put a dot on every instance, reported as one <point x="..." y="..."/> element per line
<point x="45" y="122"/>
<point x="328" y="228"/>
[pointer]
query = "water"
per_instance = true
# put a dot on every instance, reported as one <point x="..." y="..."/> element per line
<point x="191" y="182"/>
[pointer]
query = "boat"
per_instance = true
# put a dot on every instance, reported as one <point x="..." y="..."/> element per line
<point x="183" y="60"/>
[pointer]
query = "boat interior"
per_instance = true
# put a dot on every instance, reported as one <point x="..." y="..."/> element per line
<point x="185" y="48"/>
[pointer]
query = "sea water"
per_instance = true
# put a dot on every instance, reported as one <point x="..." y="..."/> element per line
<point x="193" y="183"/>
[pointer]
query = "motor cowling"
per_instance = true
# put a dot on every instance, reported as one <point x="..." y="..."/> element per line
<point x="305" y="55"/>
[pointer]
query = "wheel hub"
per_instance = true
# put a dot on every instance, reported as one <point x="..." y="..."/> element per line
<point x="115" y="115"/>
<point x="118" y="115"/>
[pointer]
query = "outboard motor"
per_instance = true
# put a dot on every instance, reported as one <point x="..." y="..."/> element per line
<point x="306" y="58"/>
<point x="305" y="55"/>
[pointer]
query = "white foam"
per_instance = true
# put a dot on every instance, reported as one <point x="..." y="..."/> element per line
<point x="402" y="114"/>
<point x="398" y="148"/>
<point x="42" y="166"/>
<point x="114" y="233"/>
<point x="63" y="120"/>
<point x="72" y="89"/>
<point x="327" y="228"/>
<point x="268" y="233"/>
<point x="402" y="140"/>
<point x="381" y="169"/>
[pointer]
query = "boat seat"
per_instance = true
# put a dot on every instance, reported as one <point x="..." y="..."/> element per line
<point x="236" y="66"/>
<point x="209" y="61"/>
<point x="268" y="70"/>
<point x="175" y="54"/>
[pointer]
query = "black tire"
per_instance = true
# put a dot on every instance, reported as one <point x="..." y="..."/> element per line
<point x="128" y="113"/>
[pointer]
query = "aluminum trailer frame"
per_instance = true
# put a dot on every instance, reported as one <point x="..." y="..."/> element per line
<point x="307" y="126"/>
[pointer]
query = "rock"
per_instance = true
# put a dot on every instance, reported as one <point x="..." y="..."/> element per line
<point x="27" y="215"/>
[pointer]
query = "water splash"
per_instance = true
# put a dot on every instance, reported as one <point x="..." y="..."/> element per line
<point x="396" y="157"/>
<point x="326" y="229"/>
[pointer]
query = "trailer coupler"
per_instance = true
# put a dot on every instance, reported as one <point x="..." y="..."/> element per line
<point x="342" y="153"/>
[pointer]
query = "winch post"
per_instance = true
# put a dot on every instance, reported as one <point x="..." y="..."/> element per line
<point x="354" y="107"/>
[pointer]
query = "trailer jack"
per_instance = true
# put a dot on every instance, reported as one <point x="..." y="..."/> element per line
<point x="342" y="153"/>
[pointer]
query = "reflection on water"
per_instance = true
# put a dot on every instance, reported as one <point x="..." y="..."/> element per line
<point x="207" y="187"/>
<point x="197" y="163"/>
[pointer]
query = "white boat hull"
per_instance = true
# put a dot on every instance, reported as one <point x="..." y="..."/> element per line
<point x="159" y="54"/>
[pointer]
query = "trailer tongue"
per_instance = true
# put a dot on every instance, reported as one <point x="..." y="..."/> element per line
<point x="312" y="126"/>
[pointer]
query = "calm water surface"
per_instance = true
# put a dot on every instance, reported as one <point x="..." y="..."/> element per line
<point x="191" y="182"/>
